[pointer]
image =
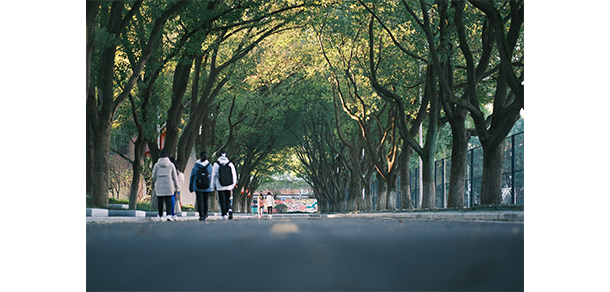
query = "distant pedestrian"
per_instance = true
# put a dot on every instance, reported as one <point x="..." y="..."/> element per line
<point x="200" y="183"/>
<point x="224" y="179"/>
<point x="261" y="205"/>
<point x="176" y="205"/>
<point x="166" y="183"/>
<point x="269" y="202"/>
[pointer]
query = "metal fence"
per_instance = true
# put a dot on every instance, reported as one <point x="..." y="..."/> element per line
<point x="512" y="177"/>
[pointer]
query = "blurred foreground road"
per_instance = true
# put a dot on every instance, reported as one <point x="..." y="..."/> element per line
<point x="309" y="254"/>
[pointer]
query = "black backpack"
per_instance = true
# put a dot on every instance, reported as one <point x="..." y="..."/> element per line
<point x="202" y="180"/>
<point x="225" y="175"/>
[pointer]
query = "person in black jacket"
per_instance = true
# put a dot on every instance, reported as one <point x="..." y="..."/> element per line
<point x="201" y="192"/>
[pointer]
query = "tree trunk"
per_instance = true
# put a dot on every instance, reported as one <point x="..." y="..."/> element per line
<point x="248" y="203"/>
<point x="140" y="144"/>
<point x="368" y="196"/>
<point x="392" y="192"/>
<point x="341" y="206"/>
<point x="336" y="207"/>
<point x="358" y="199"/>
<point x="101" y="142"/>
<point x="350" y="205"/>
<point x="90" y="153"/>
<point x="92" y="10"/>
<point x="213" y="204"/>
<point x="405" y="177"/>
<point x="135" y="186"/>
<point x="459" y="157"/>
<point x="100" y="113"/>
<point x="174" y="114"/>
<point x="238" y="200"/>
<point x="322" y="206"/>
<point x="382" y="195"/>
<point x="154" y="200"/>
<point x="491" y="183"/>
<point x="154" y="156"/>
<point x="429" y="199"/>
<point x="352" y="196"/>
<point x="137" y="171"/>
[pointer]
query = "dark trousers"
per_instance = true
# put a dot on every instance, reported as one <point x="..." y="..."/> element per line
<point x="224" y="198"/>
<point x="202" y="204"/>
<point x="168" y="204"/>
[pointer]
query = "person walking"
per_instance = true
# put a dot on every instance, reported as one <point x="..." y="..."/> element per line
<point x="261" y="205"/>
<point x="269" y="204"/>
<point x="224" y="179"/>
<point x="200" y="183"/>
<point x="176" y="205"/>
<point x="165" y="179"/>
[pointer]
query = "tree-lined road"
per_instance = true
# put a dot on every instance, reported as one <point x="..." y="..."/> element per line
<point x="306" y="254"/>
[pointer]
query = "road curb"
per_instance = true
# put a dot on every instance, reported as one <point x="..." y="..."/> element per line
<point x="510" y="216"/>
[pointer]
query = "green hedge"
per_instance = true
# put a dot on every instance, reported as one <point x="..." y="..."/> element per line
<point x="142" y="206"/>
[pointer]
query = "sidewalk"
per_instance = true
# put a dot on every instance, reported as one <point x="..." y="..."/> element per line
<point x="485" y="214"/>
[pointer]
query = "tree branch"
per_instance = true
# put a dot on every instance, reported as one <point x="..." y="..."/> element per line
<point x="402" y="48"/>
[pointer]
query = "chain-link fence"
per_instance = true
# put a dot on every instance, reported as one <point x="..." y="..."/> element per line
<point x="512" y="177"/>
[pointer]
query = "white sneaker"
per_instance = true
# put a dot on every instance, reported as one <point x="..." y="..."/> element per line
<point x="174" y="218"/>
<point x="160" y="218"/>
<point x="224" y="217"/>
<point x="170" y="218"/>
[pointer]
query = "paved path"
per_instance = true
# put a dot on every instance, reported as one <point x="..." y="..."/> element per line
<point x="306" y="254"/>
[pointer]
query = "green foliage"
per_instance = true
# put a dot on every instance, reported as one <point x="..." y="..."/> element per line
<point x="279" y="111"/>
<point x="89" y="202"/>
<point x="117" y="201"/>
<point x="287" y="181"/>
<point x="105" y="39"/>
<point x="141" y="206"/>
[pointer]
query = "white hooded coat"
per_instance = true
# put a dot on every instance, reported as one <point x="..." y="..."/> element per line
<point x="165" y="177"/>
<point x="214" y="181"/>
<point x="269" y="200"/>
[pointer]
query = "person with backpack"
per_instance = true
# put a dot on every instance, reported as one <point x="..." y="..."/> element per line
<point x="200" y="183"/>
<point x="165" y="178"/>
<point x="224" y="179"/>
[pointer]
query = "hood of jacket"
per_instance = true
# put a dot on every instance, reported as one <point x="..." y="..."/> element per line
<point x="164" y="161"/>
<point x="202" y="163"/>
<point x="223" y="160"/>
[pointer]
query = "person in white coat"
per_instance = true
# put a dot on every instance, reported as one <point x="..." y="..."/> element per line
<point x="269" y="204"/>
<point x="165" y="177"/>
<point x="224" y="179"/>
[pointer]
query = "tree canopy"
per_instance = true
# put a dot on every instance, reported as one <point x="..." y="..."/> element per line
<point x="332" y="91"/>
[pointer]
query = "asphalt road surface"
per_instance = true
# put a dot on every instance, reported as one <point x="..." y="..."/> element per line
<point x="306" y="255"/>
